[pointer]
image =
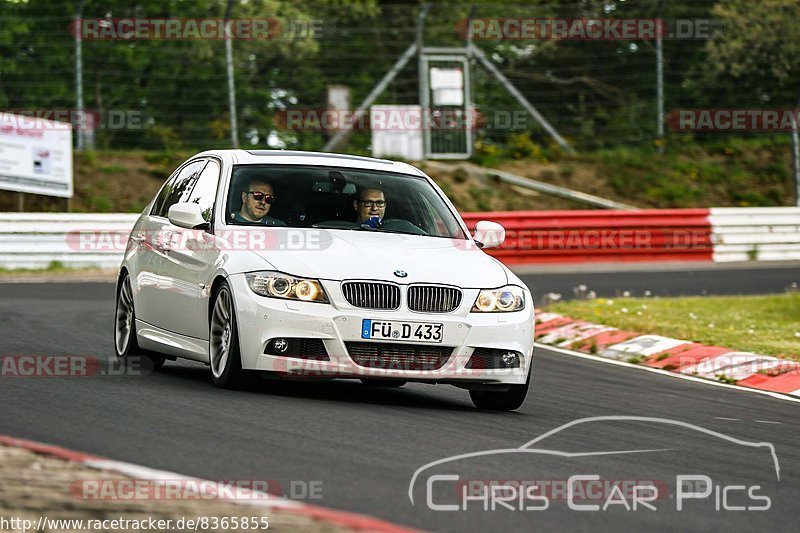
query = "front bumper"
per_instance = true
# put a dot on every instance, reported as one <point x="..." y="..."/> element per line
<point x="261" y="319"/>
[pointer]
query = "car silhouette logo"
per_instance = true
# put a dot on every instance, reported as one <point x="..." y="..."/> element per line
<point x="400" y="273"/>
<point x="530" y="448"/>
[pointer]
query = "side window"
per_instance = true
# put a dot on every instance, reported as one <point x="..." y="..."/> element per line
<point x="162" y="195"/>
<point x="205" y="191"/>
<point x="179" y="188"/>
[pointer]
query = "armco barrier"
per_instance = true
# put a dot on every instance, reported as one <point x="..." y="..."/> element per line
<point x="756" y="233"/>
<point x="601" y="236"/>
<point x="34" y="240"/>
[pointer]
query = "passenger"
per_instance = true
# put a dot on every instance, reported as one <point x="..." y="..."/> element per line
<point x="257" y="199"/>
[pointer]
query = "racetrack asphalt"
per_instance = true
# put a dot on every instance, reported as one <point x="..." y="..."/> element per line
<point x="678" y="280"/>
<point x="365" y="443"/>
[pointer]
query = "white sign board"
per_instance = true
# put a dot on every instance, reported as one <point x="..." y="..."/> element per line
<point x="339" y="97"/>
<point x="397" y="131"/>
<point x="447" y="85"/>
<point x="35" y="155"/>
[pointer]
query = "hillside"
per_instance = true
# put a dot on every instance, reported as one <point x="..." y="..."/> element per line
<point x="737" y="173"/>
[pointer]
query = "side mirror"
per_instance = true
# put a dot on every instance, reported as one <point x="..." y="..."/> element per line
<point x="489" y="234"/>
<point x="186" y="215"/>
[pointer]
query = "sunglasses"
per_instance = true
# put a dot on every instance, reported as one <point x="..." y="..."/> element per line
<point x="262" y="197"/>
<point x="372" y="203"/>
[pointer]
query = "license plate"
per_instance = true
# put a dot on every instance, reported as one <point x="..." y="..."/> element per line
<point x="401" y="331"/>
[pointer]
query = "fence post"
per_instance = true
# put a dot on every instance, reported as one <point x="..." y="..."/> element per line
<point x="796" y="157"/>
<point x="422" y="75"/>
<point x="80" y="133"/>
<point x="660" y="75"/>
<point x="231" y="84"/>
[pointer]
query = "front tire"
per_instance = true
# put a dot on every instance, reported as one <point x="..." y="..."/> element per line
<point x="125" y="344"/>
<point x="509" y="400"/>
<point x="223" y="344"/>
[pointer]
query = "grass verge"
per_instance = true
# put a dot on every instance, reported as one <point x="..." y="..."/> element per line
<point x="56" y="268"/>
<point x="768" y="324"/>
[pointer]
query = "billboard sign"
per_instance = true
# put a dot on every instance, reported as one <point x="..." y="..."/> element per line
<point x="35" y="155"/>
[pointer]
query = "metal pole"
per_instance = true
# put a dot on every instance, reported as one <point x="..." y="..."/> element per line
<point x="20" y="202"/>
<point x="231" y="86"/>
<point x="534" y="185"/>
<point x="79" y="135"/>
<point x="468" y="89"/>
<point x="660" y="76"/>
<point x="334" y="142"/>
<point x="424" y="89"/>
<point x="796" y="157"/>
<point x="520" y="98"/>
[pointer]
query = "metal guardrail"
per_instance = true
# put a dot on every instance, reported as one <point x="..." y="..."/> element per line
<point x="601" y="236"/>
<point x="756" y="233"/>
<point x="35" y="240"/>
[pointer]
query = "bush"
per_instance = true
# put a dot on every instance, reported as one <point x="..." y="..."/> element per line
<point x="521" y="146"/>
<point x="486" y="154"/>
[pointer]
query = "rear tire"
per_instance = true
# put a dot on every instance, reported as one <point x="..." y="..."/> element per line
<point x="126" y="346"/>
<point x="509" y="400"/>
<point x="223" y="344"/>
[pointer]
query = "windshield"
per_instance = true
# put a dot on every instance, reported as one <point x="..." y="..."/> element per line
<point x="338" y="198"/>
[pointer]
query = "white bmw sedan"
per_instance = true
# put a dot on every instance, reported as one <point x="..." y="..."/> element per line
<point x="322" y="266"/>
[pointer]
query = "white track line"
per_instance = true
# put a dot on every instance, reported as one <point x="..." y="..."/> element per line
<point x="667" y="373"/>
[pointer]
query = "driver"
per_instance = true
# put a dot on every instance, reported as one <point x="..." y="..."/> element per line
<point x="370" y="207"/>
<point x="257" y="199"/>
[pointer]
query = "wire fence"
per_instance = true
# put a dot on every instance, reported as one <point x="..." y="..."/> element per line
<point x="147" y="92"/>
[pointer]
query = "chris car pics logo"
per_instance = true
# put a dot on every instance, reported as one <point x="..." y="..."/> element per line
<point x="446" y="489"/>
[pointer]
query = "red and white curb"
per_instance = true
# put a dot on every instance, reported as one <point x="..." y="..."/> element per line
<point x="340" y="518"/>
<point x="683" y="357"/>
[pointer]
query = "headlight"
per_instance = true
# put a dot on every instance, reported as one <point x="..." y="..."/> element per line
<point x="503" y="300"/>
<point x="279" y="285"/>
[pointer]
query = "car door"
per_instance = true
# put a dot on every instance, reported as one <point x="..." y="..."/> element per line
<point x="187" y="266"/>
<point x="161" y="240"/>
<point x="146" y="261"/>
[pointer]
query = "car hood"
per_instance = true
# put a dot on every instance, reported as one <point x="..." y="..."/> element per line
<point x="343" y="254"/>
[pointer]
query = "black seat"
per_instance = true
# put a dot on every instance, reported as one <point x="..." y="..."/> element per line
<point x="328" y="207"/>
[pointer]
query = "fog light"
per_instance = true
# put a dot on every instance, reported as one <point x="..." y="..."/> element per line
<point x="280" y="345"/>
<point x="510" y="359"/>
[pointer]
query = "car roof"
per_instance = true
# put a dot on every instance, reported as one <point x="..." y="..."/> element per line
<point x="296" y="157"/>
